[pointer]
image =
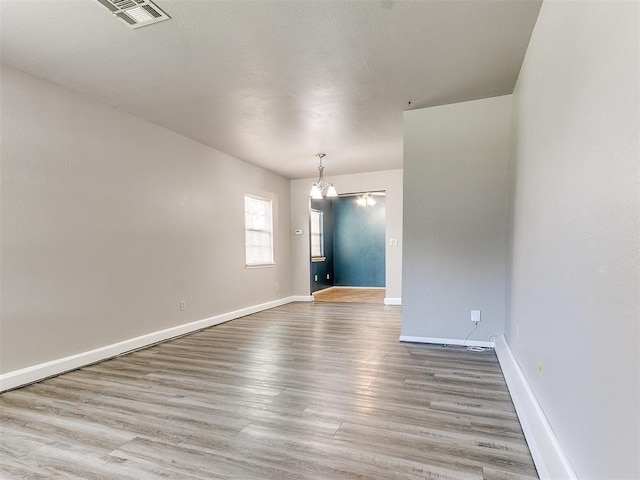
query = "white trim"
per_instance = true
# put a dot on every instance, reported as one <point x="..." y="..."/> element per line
<point x="446" y="341"/>
<point x="392" y="301"/>
<point x="35" y="373"/>
<point x="301" y="298"/>
<point x="260" y="265"/>
<point x="357" y="288"/>
<point x="546" y="451"/>
<point x="325" y="289"/>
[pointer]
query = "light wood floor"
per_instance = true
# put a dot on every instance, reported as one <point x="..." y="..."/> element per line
<point x="304" y="391"/>
<point x="350" y="295"/>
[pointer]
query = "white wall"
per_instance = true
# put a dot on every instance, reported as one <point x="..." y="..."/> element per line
<point x="575" y="288"/>
<point x="109" y="221"/>
<point x="455" y="220"/>
<point x="391" y="182"/>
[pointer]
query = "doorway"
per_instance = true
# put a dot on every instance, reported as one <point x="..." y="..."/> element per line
<point x="348" y="245"/>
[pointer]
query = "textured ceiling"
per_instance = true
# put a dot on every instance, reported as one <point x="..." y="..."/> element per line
<point x="275" y="82"/>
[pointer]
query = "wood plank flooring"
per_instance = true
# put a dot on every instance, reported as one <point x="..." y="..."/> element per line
<point x="302" y="391"/>
<point x="350" y="295"/>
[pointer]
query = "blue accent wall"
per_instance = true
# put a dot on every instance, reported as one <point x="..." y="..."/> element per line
<point x="359" y="243"/>
<point x="322" y="269"/>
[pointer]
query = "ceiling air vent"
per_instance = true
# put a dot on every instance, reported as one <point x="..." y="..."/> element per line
<point x="135" y="13"/>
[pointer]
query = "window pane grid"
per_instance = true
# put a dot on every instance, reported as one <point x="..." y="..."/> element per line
<point x="317" y="234"/>
<point x="258" y="234"/>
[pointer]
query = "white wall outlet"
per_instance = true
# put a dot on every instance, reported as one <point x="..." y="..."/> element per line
<point x="315" y="277"/>
<point x="183" y="304"/>
<point x="393" y="242"/>
<point x="327" y="276"/>
<point x="297" y="231"/>
<point x="475" y="316"/>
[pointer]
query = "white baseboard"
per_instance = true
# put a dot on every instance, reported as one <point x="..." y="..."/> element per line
<point x="353" y="287"/>
<point x="327" y="289"/>
<point x="25" y="376"/>
<point x="546" y="451"/>
<point x="301" y="298"/>
<point x="446" y="341"/>
<point x="392" y="301"/>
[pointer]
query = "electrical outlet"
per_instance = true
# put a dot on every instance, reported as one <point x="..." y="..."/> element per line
<point x="183" y="304"/>
<point x="475" y="316"/>
<point x="315" y="277"/>
<point x="327" y="276"/>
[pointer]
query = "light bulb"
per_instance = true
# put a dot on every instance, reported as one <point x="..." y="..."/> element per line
<point x="315" y="192"/>
<point x="331" y="191"/>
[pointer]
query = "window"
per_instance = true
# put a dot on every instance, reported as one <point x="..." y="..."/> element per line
<point x="317" y="235"/>
<point x="258" y="231"/>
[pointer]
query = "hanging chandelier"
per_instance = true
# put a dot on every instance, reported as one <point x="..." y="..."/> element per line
<point x="321" y="189"/>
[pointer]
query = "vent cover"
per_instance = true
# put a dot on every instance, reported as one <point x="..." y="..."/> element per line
<point x="135" y="13"/>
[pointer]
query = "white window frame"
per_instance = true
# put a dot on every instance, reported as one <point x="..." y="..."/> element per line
<point x="258" y="231"/>
<point x="316" y="230"/>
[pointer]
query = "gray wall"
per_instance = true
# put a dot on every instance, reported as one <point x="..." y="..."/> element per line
<point x="575" y="288"/>
<point x="455" y="218"/>
<point x="389" y="181"/>
<point x="109" y="221"/>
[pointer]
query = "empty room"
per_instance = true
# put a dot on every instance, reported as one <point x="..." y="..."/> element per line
<point x="309" y="239"/>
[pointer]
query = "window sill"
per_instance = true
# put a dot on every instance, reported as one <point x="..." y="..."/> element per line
<point x="261" y="265"/>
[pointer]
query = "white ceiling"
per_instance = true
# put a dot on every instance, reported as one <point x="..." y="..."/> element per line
<point x="275" y="82"/>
